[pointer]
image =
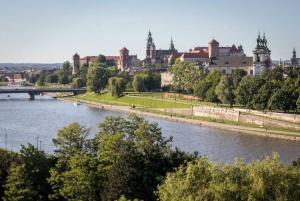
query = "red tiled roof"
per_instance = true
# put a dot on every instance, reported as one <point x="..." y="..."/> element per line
<point x="201" y="54"/>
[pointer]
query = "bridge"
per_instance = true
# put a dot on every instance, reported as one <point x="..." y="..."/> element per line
<point x="32" y="92"/>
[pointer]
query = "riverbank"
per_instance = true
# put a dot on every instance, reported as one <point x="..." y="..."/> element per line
<point x="229" y="126"/>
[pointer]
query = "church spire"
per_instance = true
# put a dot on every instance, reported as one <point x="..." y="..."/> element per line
<point x="149" y="40"/>
<point x="172" y="46"/>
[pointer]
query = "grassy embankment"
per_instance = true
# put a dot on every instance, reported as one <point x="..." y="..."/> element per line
<point x="152" y="102"/>
<point x="3" y="84"/>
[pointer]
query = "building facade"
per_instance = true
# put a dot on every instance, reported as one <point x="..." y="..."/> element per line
<point x="124" y="61"/>
<point x="261" y="56"/>
<point x="227" y="59"/>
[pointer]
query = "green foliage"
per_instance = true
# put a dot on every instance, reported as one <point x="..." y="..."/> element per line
<point x="298" y="103"/>
<point x="267" y="180"/>
<point x="28" y="180"/>
<point x="185" y="76"/>
<point x="146" y="81"/>
<point x="64" y="79"/>
<point x="201" y="88"/>
<point x="135" y="157"/>
<point x="283" y="99"/>
<point x="117" y="86"/>
<point x="247" y="90"/>
<point x="76" y="179"/>
<point x="97" y="78"/>
<point x="78" y="83"/>
<point x="66" y="67"/>
<point x="71" y="139"/>
<point x="224" y="90"/>
<point x="52" y="78"/>
<point x="41" y="79"/>
<point x="7" y="158"/>
<point x="101" y="59"/>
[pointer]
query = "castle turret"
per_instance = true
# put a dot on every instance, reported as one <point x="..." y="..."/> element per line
<point x="213" y="49"/>
<point x="150" y="43"/>
<point x="124" y="59"/>
<point x="76" y="63"/>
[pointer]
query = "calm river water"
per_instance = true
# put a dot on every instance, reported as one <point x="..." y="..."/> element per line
<point x="22" y="121"/>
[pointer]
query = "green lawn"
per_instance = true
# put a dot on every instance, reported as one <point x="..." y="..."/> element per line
<point x="3" y="83"/>
<point x="138" y="101"/>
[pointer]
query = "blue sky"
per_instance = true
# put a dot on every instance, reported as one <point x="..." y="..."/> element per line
<point x="53" y="30"/>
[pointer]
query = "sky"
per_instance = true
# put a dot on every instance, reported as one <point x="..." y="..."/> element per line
<point x="50" y="31"/>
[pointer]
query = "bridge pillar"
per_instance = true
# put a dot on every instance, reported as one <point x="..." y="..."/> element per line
<point x="31" y="96"/>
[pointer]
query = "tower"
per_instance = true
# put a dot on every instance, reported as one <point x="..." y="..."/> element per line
<point x="124" y="59"/>
<point x="261" y="55"/>
<point x="294" y="58"/>
<point x="213" y="49"/>
<point x="150" y="44"/>
<point x="76" y="63"/>
<point x="172" y="46"/>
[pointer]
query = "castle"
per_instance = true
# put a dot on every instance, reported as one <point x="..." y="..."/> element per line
<point x="154" y="56"/>
<point x="124" y="61"/>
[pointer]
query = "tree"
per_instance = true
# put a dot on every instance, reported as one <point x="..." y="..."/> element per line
<point x="28" y="180"/>
<point x="7" y="159"/>
<point x="185" y="76"/>
<point x="201" y="88"/>
<point x="261" y="98"/>
<point x="41" y="79"/>
<point x="237" y="76"/>
<point x="66" y="67"/>
<point x="298" y="103"/>
<point x="97" y="79"/>
<point x="78" y="83"/>
<point x="267" y="180"/>
<point x="224" y="90"/>
<point x="247" y="89"/>
<point x="52" y="78"/>
<point x="146" y="81"/>
<point x="117" y="86"/>
<point x="71" y="139"/>
<point x="135" y="157"/>
<point x="283" y="99"/>
<point x="79" y="181"/>
<point x="101" y="59"/>
<point x="64" y="79"/>
<point x="72" y="145"/>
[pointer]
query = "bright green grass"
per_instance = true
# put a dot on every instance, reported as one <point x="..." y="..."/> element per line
<point x="3" y="83"/>
<point x="138" y="101"/>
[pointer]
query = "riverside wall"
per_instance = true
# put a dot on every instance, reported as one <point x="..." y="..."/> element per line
<point x="288" y="121"/>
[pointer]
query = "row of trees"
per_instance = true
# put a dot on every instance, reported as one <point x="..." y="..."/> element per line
<point x="126" y="157"/>
<point x="277" y="89"/>
<point x="100" y="77"/>
<point x="129" y="158"/>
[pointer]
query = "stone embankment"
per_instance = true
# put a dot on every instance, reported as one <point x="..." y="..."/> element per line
<point x="236" y="128"/>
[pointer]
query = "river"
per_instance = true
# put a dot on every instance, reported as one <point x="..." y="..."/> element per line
<point x="23" y="121"/>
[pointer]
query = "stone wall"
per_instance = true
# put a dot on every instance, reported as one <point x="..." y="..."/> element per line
<point x="217" y="113"/>
<point x="293" y="118"/>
